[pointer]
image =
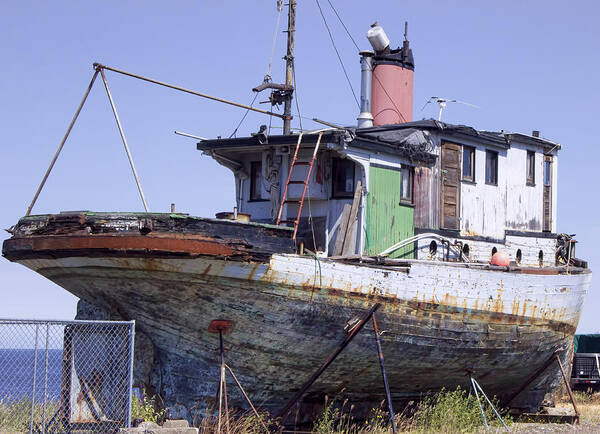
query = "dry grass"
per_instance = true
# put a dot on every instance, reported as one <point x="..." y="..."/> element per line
<point x="588" y="404"/>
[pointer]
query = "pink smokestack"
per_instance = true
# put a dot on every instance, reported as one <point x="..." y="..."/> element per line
<point x="393" y="80"/>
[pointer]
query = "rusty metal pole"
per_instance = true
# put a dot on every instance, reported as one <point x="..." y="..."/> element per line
<point x="62" y="143"/>
<point x="247" y="399"/>
<point x="114" y="109"/>
<point x="564" y="375"/>
<point x="183" y="89"/>
<point x="221" y="351"/>
<point x="383" y="374"/>
<point x="289" y="66"/>
<point x="530" y="380"/>
<point x="284" y="411"/>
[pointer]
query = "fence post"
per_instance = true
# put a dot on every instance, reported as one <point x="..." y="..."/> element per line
<point x="34" y="377"/>
<point x="45" y="380"/>
<point x="130" y="377"/>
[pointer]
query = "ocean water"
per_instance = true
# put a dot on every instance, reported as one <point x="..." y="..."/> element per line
<point x="16" y="374"/>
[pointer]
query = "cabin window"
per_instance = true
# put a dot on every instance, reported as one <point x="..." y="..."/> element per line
<point x="519" y="256"/>
<point x="491" y="167"/>
<point x="406" y="184"/>
<point x="255" y="180"/>
<point x="541" y="258"/>
<point x="468" y="164"/>
<point x="548" y="172"/>
<point x="530" y="168"/>
<point x="342" y="178"/>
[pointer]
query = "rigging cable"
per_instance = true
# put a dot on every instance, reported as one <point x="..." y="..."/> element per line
<point x="296" y="90"/>
<point x="357" y="47"/>
<point x="343" y="25"/>
<point x="244" y="117"/>
<point x="268" y="75"/>
<point x="279" y="8"/>
<point x="337" y="52"/>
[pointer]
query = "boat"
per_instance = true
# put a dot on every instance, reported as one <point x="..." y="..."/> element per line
<point x="450" y="231"/>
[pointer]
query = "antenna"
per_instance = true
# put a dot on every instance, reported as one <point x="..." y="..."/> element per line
<point x="442" y="102"/>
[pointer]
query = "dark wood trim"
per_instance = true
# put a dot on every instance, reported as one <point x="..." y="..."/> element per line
<point x="531" y="234"/>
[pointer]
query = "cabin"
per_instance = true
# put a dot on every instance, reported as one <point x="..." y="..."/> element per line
<point x="486" y="191"/>
<point x="393" y="186"/>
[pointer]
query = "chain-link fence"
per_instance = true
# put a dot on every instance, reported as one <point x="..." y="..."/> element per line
<point x="65" y="376"/>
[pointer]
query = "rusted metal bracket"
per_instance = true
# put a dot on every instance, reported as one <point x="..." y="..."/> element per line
<point x="383" y="374"/>
<point x="286" y="409"/>
<point x="564" y="375"/>
<point x="537" y="373"/>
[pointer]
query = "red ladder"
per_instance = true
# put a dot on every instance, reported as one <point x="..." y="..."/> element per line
<point x="300" y="202"/>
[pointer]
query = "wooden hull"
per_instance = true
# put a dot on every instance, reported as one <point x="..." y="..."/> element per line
<point x="288" y="314"/>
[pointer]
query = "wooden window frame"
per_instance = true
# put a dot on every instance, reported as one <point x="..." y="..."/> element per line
<point x="410" y="200"/>
<point x="471" y="178"/>
<point x="547" y="163"/>
<point x="530" y="169"/>
<point x="493" y="181"/>
<point x="255" y="195"/>
<point x="335" y="194"/>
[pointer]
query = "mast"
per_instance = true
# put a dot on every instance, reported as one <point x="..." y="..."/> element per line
<point x="289" y="66"/>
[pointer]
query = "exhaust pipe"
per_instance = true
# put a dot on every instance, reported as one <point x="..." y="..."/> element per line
<point x="365" y="118"/>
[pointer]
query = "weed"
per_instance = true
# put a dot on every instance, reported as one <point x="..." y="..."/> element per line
<point x="454" y="412"/>
<point x="15" y="416"/>
<point x="146" y="409"/>
<point x="239" y="423"/>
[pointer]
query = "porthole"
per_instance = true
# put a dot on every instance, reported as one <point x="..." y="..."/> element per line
<point x="432" y="248"/>
<point x="519" y="256"/>
<point x="541" y="258"/>
<point x="466" y="250"/>
<point x="494" y="251"/>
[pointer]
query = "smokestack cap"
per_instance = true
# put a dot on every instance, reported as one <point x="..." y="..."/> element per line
<point x="378" y="39"/>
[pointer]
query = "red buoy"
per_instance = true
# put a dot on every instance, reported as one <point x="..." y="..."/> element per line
<point x="500" y="258"/>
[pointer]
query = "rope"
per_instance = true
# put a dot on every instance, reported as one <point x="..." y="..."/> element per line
<point x="337" y="53"/>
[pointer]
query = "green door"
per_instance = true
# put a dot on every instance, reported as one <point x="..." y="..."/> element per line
<point x="388" y="220"/>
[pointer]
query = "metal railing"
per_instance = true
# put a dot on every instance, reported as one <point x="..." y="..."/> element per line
<point x="64" y="376"/>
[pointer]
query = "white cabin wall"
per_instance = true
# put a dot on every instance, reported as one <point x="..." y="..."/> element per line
<point x="481" y="250"/>
<point x="524" y="203"/>
<point x="483" y="206"/>
<point x="258" y="210"/>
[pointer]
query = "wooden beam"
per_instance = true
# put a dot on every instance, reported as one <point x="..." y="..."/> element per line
<point x="350" y="241"/>
<point x="341" y="233"/>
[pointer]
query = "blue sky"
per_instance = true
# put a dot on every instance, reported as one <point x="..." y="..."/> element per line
<point x="528" y="65"/>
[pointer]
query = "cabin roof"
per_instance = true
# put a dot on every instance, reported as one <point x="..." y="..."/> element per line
<point x="396" y="138"/>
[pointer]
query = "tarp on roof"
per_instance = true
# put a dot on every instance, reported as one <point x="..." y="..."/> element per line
<point x="414" y="143"/>
<point x="587" y="343"/>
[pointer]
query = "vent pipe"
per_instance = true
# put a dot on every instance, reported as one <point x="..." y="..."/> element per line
<point x="365" y="118"/>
